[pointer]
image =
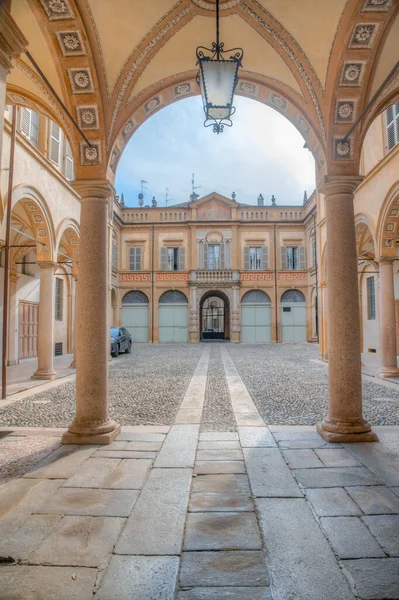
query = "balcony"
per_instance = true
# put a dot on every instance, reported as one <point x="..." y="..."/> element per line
<point x="218" y="277"/>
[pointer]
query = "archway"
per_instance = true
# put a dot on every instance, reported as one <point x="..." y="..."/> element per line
<point x="293" y="316"/>
<point x="173" y="317"/>
<point x="135" y="315"/>
<point x="214" y="316"/>
<point x="255" y="317"/>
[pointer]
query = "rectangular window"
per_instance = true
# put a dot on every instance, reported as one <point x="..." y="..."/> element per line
<point x="292" y="258"/>
<point x="255" y="259"/>
<point x="392" y="125"/>
<point x="173" y="259"/>
<point x="58" y="298"/>
<point x="135" y="259"/>
<point x="370" y="299"/>
<point x="54" y="143"/>
<point x="213" y="257"/>
<point x="29" y="125"/>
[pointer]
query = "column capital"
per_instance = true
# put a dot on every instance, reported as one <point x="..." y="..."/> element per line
<point x="47" y="264"/>
<point x="381" y="260"/>
<point x="339" y="184"/>
<point x="94" y="188"/>
<point x="12" y="40"/>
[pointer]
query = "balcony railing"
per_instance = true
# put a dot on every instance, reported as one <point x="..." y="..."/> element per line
<point x="215" y="276"/>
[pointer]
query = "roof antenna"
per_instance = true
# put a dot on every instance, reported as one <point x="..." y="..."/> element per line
<point x="167" y="197"/>
<point x="194" y="196"/>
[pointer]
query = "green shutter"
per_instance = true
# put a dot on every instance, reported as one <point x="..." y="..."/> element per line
<point x="138" y="259"/>
<point x="222" y="255"/>
<point x="182" y="259"/>
<point x="302" y="258"/>
<point x="205" y="256"/>
<point x="246" y="258"/>
<point x="283" y="258"/>
<point x="164" y="258"/>
<point x="265" y="258"/>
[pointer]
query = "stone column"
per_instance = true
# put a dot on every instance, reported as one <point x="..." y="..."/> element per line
<point x="92" y="424"/>
<point x="388" y="350"/>
<point x="45" y="341"/>
<point x="235" y="316"/>
<point x="344" y="422"/>
<point x="73" y="336"/>
<point x="12" y="346"/>
<point x="193" y="316"/>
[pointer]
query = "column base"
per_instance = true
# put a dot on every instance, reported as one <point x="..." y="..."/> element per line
<point x="86" y="438"/>
<point x="384" y="372"/>
<point x="337" y="432"/>
<point x="47" y="375"/>
<point x="73" y="364"/>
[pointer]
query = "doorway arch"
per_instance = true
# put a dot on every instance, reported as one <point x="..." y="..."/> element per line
<point x="255" y="317"/>
<point x="214" y="316"/>
<point x="293" y="316"/>
<point x="135" y="315"/>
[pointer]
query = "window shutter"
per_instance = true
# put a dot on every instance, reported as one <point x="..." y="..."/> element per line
<point x="389" y="114"/>
<point x="182" y="259"/>
<point x="55" y="138"/>
<point x="68" y="161"/>
<point x="391" y="136"/>
<point x="200" y="257"/>
<point x="246" y="258"/>
<point x="222" y="255"/>
<point x="302" y="258"/>
<point x="24" y="122"/>
<point x="283" y="258"/>
<point x="138" y="259"/>
<point x="205" y="256"/>
<point x="34" y="128"/>
<point x="164" y="258"/>
<point x="265" y="258"/>
<point x="227" y="254"/>
<point x="132" y="256"/>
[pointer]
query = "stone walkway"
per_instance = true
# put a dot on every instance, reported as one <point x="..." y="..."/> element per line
<point x="179" y="513"/>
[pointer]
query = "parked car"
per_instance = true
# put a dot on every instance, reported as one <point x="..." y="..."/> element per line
<point x="121" y="341"/>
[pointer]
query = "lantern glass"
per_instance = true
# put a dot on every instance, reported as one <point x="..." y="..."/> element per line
<point x="218" y="79"/>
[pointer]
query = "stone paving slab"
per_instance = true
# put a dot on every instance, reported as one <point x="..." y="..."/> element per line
<point x="63" y="463"/>
<point x="219" y="445"/>
<point x="93" y="473"/>
<point x="395" y="490"/>
<point x="128" y="475"/>
<point x="332" y="502"/>
<point x="226" y="502"/>
<point x="311" y="444"/>
<point x="222" y="531"/>
<point x="230" y="569"/>
<point x="385" y="529"/>
<point x="219" y="593"/>
<point x="139" y="577"/>
<point x="124" y="454"/>
<point x="83" y="541"/>
<point x="350" y="538"/>
<point x="91" y="502"/>
<point x="145" y="429"/>
<point x="219" y="455"/>
<point x="143" y="446"/>
<point x="219" y="484"/>
<point x="337" y="458"/>
<point x="218" y="436"/>
<point x="26" y="539"/>
<point x="21" y="582"/>
<point x="156" y="523"/>
<point x="179" y="447"/>
<point x="302" y="459"/>
<point x="335" y="477"/>
<point x="380" y="461"/>
<point x="301" y="563"/>
<point x="256" y="437"/>
<point x="209" y="467"/>
<point x="189" y="415"/>
<point x="375" y="500"/>
<point x="141" y="436"/>
<point x="268" y="474"/>
<point x="374" y="578"/>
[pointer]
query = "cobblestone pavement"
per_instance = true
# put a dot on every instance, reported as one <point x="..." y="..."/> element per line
<point x="290" y="389"/>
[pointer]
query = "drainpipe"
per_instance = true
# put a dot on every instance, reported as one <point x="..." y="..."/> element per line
<point x="152" y="286"/>
<point x="275" y="282"/>
<point x="7" y="257"/>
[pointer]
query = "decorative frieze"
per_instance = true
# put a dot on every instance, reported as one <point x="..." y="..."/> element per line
<point x="342" y="150"/>
<point x="255" y="276"/>
<point x="352" y="73"/>
<point x="135" y="277"/>
<point x="71" y="43"/>
<point x="183" y="89"/>
<point x="87" y="116"/>
<point x="57" y="10"/>
<point x="363" y="35"/>
<point x="90" y="155"/>
<point x="247" y="88"/>
<point x="116" y="152"/>
<point x="277" y="102"/>
<point x="172" y="276"/>
<point x="293" y="276"/>
<point x="152" y="105"/>
<point x="81" y="80"/>
<point x="345" y="111"/>
<point x="377" y="5"/>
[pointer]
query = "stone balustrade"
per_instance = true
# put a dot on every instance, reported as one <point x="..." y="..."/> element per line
<point x="216" y="276"/>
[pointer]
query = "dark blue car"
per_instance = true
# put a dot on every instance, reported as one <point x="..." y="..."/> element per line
<point x="121" y="341"/>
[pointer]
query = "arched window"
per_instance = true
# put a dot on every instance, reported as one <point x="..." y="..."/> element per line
<point x="173" y="297"/>
<point x="255" y="297"/>
<point x="291" y="296"/>
<point x="134" y="297"/>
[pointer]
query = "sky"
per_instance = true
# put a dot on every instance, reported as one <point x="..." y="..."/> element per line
<point x="261" y="154"/>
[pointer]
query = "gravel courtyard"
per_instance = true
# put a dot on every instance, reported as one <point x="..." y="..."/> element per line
<point x="287" y="384"/>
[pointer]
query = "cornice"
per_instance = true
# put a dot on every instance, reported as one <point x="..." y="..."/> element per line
<point x="94" y="188"/>
<point x="12" y="41"/>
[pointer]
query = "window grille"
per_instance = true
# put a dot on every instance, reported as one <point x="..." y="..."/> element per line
<point x="55" y="143"/>
<point x="392" y="125"/>
<point x="370" y="299"/>
<point x="58" y="298"/>
<point x="135" y="259"/>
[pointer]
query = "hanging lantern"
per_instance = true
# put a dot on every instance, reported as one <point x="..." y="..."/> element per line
<point x="217" y="78"/>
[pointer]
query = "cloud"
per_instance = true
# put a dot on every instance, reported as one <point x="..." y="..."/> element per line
<point x="261" y="153"/>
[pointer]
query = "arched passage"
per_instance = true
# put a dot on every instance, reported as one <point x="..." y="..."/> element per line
<point x="135" y="315"/>
<point x="255" y="317"/>
<point x="214" y="316"/>
<point x="173" y="317"/>
<point x="293" y="316"/>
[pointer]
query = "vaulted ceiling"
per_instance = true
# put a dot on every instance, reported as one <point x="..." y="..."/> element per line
<point x="114" y="64"/>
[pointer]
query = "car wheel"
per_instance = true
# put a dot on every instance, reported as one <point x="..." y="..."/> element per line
<point x="129" y="348"/>
<point x="116" y="353"/>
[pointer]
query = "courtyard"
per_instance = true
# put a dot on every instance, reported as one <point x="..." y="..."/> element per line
<point x="218" y="486"/>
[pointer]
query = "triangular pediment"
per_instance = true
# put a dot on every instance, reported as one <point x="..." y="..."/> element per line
<point x="214" y="207"/>
<point x="214" y="197"/>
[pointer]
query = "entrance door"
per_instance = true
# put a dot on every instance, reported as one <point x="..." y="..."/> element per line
<point x="213" y="319"/>
<point x="135" y="315"/>
<point x="293" y="317"/>
<point x="255" y="318"/>
<point x="28" y="325"/>
<point x="173" y="317"/>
